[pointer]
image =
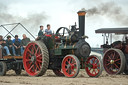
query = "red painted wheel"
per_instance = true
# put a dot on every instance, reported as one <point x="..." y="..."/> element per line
<point x="36" y="59"/>
<point x="70" y="66"/>
<point x="58" y="72"/>
<point x="93" y="66"/>
<point x="114" y="61"/>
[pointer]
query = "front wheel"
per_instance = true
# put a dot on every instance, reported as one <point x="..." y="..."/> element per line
<point x="70" y="66"/>
<point x="93" y="66"/>
<point x="3" y="68"/>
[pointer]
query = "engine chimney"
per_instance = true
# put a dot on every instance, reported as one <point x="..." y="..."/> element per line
<point x="81" y="15"/>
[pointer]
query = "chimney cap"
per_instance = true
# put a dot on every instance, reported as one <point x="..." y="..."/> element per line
<point x="81" y="12"/>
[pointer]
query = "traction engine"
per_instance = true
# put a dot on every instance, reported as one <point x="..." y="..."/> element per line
<point x="65" y="52"/>
<point x="115" y="59"/>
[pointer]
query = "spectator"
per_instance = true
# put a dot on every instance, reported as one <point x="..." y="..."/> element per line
<point x="10" y="45"/>
<point x="24" y="43"/>
<point x="41" y="32"/>
<point x="3" y="45"/>
<point x="17" y="46"/>
<point x="48" y="31"/>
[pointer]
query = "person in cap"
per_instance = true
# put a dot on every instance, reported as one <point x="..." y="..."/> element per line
<point x="9" y="43"/>
<point x="24" y="43"/>
<point x="3" y="45"/>
<point x="17" y="45"/>
<point x="48" y="30"/>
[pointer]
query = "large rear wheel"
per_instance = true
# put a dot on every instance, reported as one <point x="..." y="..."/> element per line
<point x="114" y="61"/>
<point x="36" y="58"/>
<point x="70" y="66"/>
<point x="93" y="66"/>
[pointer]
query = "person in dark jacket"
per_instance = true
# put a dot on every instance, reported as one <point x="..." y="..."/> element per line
<point x="24" y="43"/>
<point x="3" y="45"/>
<point x="17" y="45"/>
<point x="41" y="32"/>
<point x="10" y="45"/>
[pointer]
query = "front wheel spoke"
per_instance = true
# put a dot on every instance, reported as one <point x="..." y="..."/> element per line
<point x="75" y="67"/>
<point x="98" y="70"/>
<point x="68" y="71"/>
<point x="69" y="61"/>
<point x="93" y="71"/>
<point x="97" y="61"/>
<point x="73" y="71"/>
<point x="93" y="60"/>
<point x="72" y="64"/>
<point x="89" y="69"/>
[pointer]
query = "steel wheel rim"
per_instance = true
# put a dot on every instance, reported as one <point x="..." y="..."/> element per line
<point x="94" y="67"/>
<point x="112" y="62"/>
<point x="32" y="59"/>
<point x="69" y="66"/>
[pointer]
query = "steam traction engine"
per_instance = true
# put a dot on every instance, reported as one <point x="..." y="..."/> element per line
<point x="115" y="60"/>
<point x="65" y="52"/>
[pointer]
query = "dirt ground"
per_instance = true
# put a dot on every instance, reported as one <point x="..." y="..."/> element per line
<point x="50" y="79"/>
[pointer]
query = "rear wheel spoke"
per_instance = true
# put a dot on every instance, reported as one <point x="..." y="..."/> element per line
<point x="37" y="66"/>
<point x="31" y="67"/>
<point x="39" y="60"/>
<point x="36" y="51"/>
<point x="108" y="64"/>
<point x="116" y="65"/>
<point x="39" y="55"/>
<point x="109" y="57"/>
<point x="117" y="60"/>
<point x="28" y="60"/>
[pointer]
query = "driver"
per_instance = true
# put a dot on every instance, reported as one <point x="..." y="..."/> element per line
<point x="48" y="31"/>
<point x="41" y="32"/>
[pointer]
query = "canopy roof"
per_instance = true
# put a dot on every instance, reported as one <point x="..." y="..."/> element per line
<point x="113" y="30"/>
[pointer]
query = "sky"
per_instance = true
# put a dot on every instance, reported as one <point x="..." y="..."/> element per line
<point x="63" y="13"/>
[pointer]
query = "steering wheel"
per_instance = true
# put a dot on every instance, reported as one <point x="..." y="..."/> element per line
<point x="64" y="30"/>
